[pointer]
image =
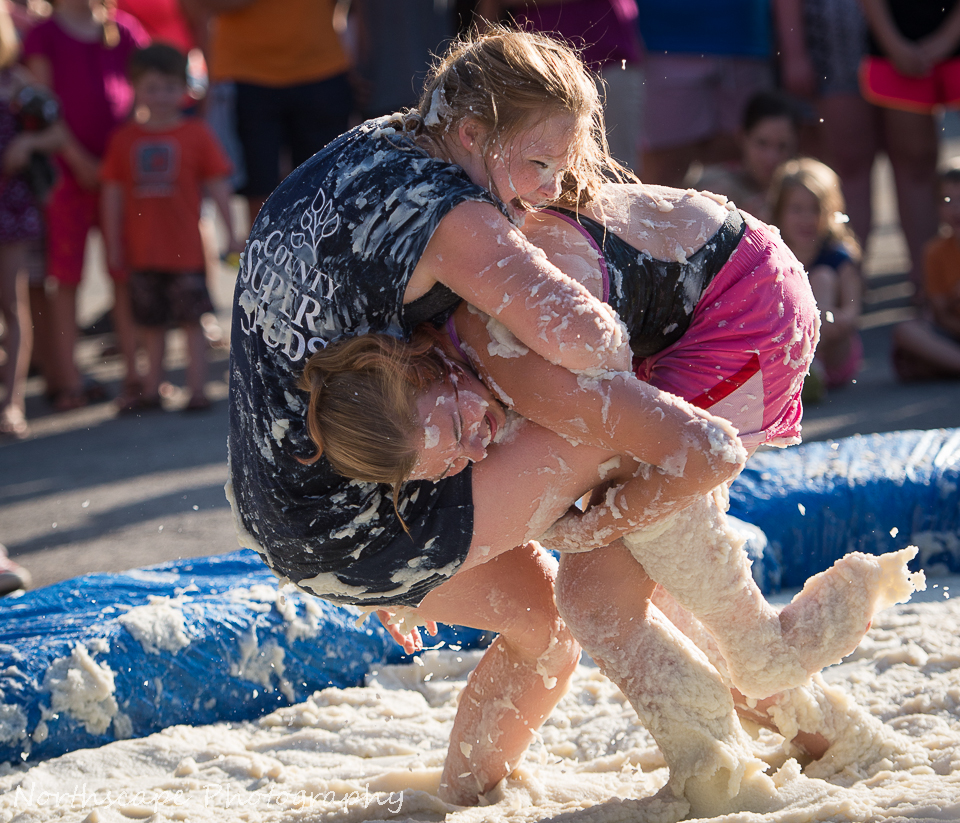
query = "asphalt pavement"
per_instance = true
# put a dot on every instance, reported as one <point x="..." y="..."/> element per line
<point x="92" y="491"/>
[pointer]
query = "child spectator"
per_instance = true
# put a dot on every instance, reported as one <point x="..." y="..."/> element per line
<point x="928" y="348"/>
<point x="81" y="54"/>
<point x="809" y="209"/>
<point x="20" y="221"/>
<point x="154" y="173"/>
<point x="769" y="136"/>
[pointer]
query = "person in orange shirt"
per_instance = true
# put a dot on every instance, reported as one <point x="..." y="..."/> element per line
<point x="290" y="75"/>
<point x="928" y="348"/>
<point x="154" y="175"/>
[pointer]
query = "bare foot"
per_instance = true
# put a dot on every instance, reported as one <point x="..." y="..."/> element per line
<point x="13" y="423"/>
<point x="831" y="614"/>
<point x="821" y="625"/>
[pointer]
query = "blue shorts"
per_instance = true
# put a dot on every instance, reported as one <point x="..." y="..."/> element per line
<point x="301" y="118"/>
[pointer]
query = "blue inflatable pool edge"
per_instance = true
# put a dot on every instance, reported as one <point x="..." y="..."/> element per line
<point x="111" y="656"/>
<point x="873" y="493"/>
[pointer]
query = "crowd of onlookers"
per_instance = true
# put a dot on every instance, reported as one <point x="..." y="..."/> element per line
<point x="124" y="116"/>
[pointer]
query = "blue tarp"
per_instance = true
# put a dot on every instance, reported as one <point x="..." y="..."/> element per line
<point x="212" y="641"/>
<point x="871" y="493"/>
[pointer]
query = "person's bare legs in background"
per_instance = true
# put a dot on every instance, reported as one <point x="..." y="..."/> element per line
<point x="912" y="145"/>
<point x="850" y="134"/>
<point x="15" y="310"/>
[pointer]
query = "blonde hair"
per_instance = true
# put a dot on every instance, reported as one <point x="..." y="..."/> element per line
<point x="362" y="413"/>
<point x="822" y="182"/>
<point x="507" y="80"/>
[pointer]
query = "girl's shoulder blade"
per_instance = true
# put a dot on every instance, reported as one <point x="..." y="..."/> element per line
<point x="655" y="219"/>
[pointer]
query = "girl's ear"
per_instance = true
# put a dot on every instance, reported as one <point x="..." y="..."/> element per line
<point x="471" y="134"/>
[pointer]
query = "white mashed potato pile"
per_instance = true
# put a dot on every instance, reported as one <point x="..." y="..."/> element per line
<point x="375" y="753"/>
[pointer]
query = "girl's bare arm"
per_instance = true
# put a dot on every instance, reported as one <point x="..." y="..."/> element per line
<point x="481" y="256"/>
<point x="615" y="411"/>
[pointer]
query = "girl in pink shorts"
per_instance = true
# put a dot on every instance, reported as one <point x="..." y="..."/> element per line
<point x="748" y="347"/>
<point x="910" y="72"/>
<point x="743" y="351"/>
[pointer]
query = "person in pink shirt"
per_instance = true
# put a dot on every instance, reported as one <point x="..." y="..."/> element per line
<point x="81" y="54"/>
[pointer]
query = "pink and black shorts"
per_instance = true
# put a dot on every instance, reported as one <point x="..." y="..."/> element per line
<point x="750" y="343"/>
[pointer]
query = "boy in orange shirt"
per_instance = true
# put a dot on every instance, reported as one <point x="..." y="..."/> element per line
<point x="155" y="172"/>
<point x="929" y="348"/>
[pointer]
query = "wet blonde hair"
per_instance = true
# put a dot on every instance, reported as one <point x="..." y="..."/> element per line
<point x="824" y="184"/>
<point x="362" y="413"/>
<point x="508" y="81"/>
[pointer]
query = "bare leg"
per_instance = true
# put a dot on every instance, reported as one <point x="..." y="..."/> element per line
<point x="851" y="140"/>
<point x="766" y="650"/>
<point x="820" y="720"/>
<point x="125" y="330"/>
<point x="155" y="343"/>
<point x="15" y="309"/>
<point x="518" y="490"/>
<point x="196" y="362"/>
<point x="41" y="318"/>
<point x="680" y="698"/>
<point x="940" y="356"/>
<point x="64" y="362"/>
<point x="911" y="141"/>
<point x="520" y="678"/>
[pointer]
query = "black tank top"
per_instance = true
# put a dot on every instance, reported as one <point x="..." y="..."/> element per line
<point x="656" y="298"/>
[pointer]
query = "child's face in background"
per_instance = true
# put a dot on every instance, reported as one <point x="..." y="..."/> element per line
<point x="769" y="144"/>
<point x="950" y="206"/>
<point x="159" y="94"/>
<point x="801" y="218"/>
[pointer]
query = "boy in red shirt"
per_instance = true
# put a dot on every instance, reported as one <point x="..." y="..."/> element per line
<point x="155" y="172"/>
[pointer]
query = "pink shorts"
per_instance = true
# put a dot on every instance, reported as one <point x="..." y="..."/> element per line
<point x="882" y="84"/>
<point x="70" y="214"/>
<point x="750" y="343"/>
